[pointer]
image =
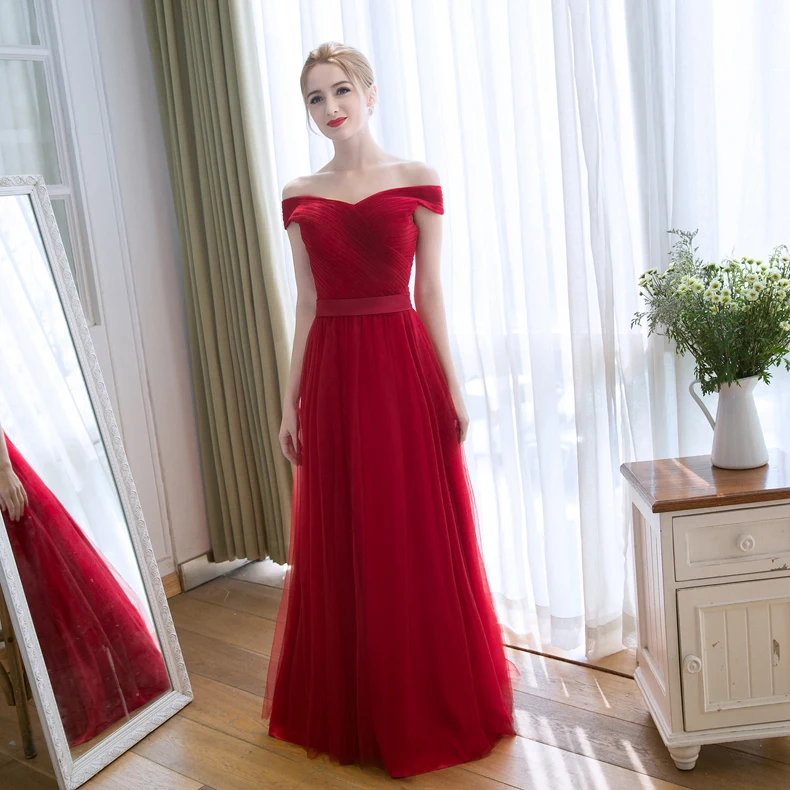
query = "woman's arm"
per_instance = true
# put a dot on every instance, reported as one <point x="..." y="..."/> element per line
<point x="305" y="305"/>
<point x="305" y="313"/>
<point x="428" y="298"/>
<point x="5" y="461"/>
<point x="13" y="496"/>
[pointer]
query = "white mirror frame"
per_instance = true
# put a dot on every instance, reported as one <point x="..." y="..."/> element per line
<point x="72" y="773"/>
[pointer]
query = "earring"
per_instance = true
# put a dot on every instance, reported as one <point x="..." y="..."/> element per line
<point x="370" y="109"/>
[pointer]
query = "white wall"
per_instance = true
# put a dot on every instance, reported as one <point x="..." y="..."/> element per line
<point x="133" y="231"/>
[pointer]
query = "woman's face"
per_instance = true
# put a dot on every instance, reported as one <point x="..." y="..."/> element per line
<point x="331" y="96"/>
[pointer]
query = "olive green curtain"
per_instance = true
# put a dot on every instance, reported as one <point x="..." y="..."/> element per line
<point x="227" y="206"/>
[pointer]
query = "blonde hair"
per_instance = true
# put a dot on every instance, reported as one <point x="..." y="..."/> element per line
<point x="353" y="63"/>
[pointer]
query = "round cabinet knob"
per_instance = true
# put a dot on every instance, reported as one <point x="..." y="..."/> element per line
<point x="692" y="665"/>
<point x="746" y="543"/>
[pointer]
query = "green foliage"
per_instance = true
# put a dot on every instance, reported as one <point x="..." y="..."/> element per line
<point x="733" y="316"/>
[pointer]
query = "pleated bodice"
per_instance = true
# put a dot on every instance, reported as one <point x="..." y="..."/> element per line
<point x="365" y="248"/>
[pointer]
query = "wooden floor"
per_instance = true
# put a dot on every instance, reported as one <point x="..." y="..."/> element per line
<point x="579" y="727"/>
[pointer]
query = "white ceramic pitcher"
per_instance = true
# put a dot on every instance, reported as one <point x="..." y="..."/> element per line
<point x="738" y="441"/>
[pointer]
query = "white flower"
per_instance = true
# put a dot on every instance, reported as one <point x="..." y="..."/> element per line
<point x="762" y="266"/>
<point x="697" y="286"/>
<point x="683" y="288"/>
<point x="751" y="277"/>
<point x="781" y="294"/>
<point x="759" y="286"/>
<point x="726" y="298"/>
<point x="715" y="284"/>
<point x="709" y="293"/>
<point x="784" y="282"/>
<point x="716" y="298"/>
<point x="752" y="294"/>
<point x="726" y="292"/>
<point x="774" y="275"/>
<point x="785" y="326"/>
<point x="714" y="308"/>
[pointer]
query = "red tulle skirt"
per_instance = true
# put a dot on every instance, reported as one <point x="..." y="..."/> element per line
<point x="387" y="649"/>
<point x="101" y="658"/>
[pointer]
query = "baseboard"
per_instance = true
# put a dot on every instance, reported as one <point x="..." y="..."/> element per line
<point x="172" y="584"/>
<point x="622" y="663"/>
<point x="201" y="570"/>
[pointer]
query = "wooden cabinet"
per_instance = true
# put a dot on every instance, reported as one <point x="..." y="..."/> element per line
<point x="712" y="554"/>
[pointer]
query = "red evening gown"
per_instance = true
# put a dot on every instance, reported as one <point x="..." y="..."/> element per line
<point x="387" y="649"/>
<point x="101" y="659"/>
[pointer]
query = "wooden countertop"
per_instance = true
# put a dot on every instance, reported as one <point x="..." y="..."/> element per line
<point x="671" y="484"/>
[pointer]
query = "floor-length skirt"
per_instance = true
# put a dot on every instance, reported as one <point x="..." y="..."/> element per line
<point x="387" y="649"/>
<point x="102" y="657"/>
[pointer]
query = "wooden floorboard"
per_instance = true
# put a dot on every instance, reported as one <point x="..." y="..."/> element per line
<point x="578" y="727"/>
<point x="243" y="669"/>
<point x="240" y="596"/>
<point x="240" y="629"/>
<point x="131" y="770"/>
<point x="15" y="775"/>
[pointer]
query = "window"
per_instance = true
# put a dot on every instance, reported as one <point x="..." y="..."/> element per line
<point x="33" y="126"/>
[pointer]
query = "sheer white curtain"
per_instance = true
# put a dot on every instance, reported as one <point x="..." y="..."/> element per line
<point x="713" y="111"/>
<point x="551" y="124"/>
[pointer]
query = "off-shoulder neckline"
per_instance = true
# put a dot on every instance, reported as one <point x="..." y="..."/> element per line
<point x="368" y="197"/>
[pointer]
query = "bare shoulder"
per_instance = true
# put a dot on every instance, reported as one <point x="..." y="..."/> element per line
<point x="298" y="186"/>
<point x="421" y="174"/>
<point x="291" y="189"/>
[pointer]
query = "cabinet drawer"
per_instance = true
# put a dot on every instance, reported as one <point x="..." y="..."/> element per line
<point x="750" y="540"/>
<point x="735" y="653"/>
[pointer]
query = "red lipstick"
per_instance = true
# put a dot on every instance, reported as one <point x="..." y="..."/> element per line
<point x="336" y="122"/>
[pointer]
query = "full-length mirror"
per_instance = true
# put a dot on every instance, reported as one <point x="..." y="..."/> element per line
<point x="83" y="588"/>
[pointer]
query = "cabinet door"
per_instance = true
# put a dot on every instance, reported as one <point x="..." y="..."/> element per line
<point x="735" y="653"/>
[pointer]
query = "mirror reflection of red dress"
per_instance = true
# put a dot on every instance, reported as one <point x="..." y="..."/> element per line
<point x="102" y="660"/>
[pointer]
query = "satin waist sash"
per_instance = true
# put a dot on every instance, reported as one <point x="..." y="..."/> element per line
<point x="364" y="305"/>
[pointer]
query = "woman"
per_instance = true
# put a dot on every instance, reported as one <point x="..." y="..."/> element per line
<point x="387" y="649"/>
